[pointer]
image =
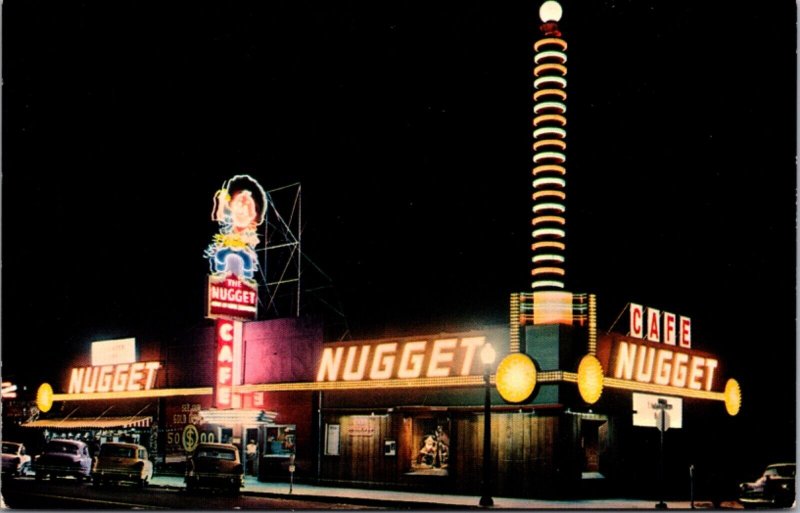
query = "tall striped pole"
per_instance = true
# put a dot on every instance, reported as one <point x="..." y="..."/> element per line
<point x="549" y="145"/>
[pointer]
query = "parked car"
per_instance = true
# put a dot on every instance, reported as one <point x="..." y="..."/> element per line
<point x="15" y="460"/>
<point x="215" y="466"/>
<point x="118" y="462"/>
<point x="63" y="458"/>
<point x="775" y="487"/>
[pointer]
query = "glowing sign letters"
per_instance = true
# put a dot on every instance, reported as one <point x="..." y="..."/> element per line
<point x="403" y="360"/>
<point x="671" y="330"/>
<point x="122" y="377"/>
<point x="231" y="297"/>
<point x="229" y="368"/>
<point x="646" y="362"/>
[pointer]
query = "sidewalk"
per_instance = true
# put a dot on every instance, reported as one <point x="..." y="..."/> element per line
<point x="400" y="499"/>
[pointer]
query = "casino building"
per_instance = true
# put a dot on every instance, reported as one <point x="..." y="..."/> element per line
<point x="573" y="410"/>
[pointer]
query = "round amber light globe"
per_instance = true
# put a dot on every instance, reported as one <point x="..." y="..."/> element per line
<point x="733" y="397"/>
<point x="590" y="379"/>
<point x="44" y="397"/>
<point x="516" y="377"/>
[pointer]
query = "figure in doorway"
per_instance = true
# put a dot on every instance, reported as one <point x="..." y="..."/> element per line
<point x="251" y="453"/>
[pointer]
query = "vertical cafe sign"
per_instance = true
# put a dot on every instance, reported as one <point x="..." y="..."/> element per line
<point x="239" y="208"/>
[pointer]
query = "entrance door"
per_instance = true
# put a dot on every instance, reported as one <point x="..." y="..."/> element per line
<point x="251" y="451"/>
<point x="593" y="441"/>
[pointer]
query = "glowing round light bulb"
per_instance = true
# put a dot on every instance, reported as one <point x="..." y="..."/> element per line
<point x="516" y="377"/>
<point x="550" y="11"/>
<point x="44" y="397"/>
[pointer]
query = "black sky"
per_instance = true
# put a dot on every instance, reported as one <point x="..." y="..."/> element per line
<point x="408" y="125"/>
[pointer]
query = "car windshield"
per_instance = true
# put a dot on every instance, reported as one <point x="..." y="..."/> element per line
<point x="217" y="454"/>
<point x="61" y="447"/>
<point x="9" y="448"/>
<point x="780" y="471"/>
<point x="117" y="451"/>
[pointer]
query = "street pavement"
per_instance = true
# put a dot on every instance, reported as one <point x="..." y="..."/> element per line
<point x="401" y="499"/>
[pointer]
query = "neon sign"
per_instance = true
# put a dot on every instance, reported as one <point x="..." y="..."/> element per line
<point x="645" y="362"/>
<point x="229" y="363"/>
<point x="240" y="206"/>
<point x="122" y="377"/>
<point x="661" y="326"/>
<point x="402" y="360"/>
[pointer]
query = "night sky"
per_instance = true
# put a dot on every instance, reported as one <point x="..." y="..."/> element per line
<point x="409" y="127"/>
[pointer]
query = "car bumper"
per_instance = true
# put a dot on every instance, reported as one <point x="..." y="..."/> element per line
<point x="214" y="480"/>
<point x="118" y="474"/>
<point x="61" y="469"/>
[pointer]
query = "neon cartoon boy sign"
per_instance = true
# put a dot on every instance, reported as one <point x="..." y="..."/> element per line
<point x="239" y="208"/>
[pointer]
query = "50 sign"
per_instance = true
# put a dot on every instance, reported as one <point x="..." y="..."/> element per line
<point x="178" y="440"/>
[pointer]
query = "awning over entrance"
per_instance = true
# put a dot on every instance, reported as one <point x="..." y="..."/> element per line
<point x="91" y="423"/>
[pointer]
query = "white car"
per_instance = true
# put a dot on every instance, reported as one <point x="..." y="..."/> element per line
<point x="15" y="460"/>
<point x="119" y="462"/>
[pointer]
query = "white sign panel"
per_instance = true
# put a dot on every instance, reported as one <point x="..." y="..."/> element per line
<point x="113" y="352"/>
<point x="647" y="410"/>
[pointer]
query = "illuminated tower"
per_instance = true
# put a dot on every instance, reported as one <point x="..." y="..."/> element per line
<point x="549" y="134"/>
<point x="549" y="303"/>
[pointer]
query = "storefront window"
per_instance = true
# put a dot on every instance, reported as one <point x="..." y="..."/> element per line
<point x="431" y="439"/>
<point x="280" y="440"/>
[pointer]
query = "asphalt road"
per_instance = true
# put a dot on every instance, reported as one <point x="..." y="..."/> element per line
<point x="68" y="493"/>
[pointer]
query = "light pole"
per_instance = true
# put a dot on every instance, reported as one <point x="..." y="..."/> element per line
<point x="487" y="357"/>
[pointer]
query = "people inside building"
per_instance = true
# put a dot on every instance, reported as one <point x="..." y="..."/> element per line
<point x="251" y="453"/>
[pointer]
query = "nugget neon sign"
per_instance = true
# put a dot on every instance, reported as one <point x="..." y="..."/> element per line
<point x="401" y="360"/>
<point x="122" y="377"/>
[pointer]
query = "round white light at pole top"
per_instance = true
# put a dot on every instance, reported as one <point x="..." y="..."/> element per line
<point x="550" y="11"/>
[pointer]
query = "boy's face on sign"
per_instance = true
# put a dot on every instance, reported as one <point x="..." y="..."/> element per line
<point x="243" y="209"/>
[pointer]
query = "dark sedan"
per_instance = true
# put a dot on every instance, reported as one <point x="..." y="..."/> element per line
<point x="775" y="488"/>
<point x="215" y="466"/>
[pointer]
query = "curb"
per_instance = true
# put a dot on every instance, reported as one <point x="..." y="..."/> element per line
<point x="361" y="501"/>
